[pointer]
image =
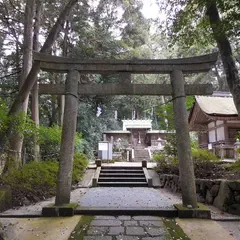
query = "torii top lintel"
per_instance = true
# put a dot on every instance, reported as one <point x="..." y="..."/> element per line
<point x="186" y="65"/>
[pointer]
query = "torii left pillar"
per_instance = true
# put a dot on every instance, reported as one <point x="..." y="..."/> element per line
<point x="67" y="141"/>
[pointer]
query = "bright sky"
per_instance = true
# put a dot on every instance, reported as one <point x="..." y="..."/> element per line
<point x="150" y="9"/>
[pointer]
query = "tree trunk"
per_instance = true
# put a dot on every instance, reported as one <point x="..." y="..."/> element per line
<point x="61" y="99"/>
<point x="222" y="85"/>
<point x="225" y="50"/>
<point x="67" y="140"/>
<point x="186" y="168"/>
<point x="16" y="140"/>
<point x="32" y="76"/>
<point x="35" y="96"/>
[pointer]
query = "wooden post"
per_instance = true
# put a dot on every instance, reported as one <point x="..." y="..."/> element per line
<point x="67" y="142"/>
<point x="186" y="168"/>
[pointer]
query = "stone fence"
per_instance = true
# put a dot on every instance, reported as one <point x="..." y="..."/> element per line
<point x="223" y="194"/>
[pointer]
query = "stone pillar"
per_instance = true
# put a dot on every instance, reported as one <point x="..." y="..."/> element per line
<point x="67" y="141"/>
<point x="111" y="141"/>
<point x="186" y="168"/>
<point x="104" y="137"/>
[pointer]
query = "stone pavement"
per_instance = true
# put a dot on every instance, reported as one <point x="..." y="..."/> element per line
<point x="126" y="228"/>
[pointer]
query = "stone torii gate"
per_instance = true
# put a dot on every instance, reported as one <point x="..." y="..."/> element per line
<point x="178" y="90"/>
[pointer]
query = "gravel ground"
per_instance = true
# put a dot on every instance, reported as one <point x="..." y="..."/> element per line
<point x="128" y="197"/>
<point x="37" y="208"/>
<point x="109" y="197"/>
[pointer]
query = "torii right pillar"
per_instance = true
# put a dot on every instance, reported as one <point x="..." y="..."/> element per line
<point x="184" y="154"/>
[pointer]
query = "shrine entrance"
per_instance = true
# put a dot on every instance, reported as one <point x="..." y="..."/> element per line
<point x="178" y="90"/>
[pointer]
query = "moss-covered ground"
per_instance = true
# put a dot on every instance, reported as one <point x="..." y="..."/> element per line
<point x="81" y="228"/>
<point x="174" y="230"/>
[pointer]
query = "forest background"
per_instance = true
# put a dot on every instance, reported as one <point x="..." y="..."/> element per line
<point x="105" y="29"/>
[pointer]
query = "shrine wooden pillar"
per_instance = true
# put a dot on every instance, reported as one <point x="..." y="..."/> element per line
<point x="186" y="168"/>
<point x="67" y="141"/>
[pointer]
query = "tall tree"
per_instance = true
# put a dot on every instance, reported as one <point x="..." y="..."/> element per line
<point x="35" y="96"/>
<point x="30" y="80"/>
<point x="198" y="22"/>
<point x="225" y="49"/>
<point x="16" y="141"/>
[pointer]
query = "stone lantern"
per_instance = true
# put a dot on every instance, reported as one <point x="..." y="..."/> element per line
<point x="236" y="147"/>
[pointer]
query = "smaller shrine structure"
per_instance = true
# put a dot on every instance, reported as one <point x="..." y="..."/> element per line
<point x="138" y="134"/>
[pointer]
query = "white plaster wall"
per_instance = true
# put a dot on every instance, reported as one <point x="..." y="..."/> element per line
<point x="220" y="133"/>
<point x="211" y="125"/>
<point x="211" y="136"/>
<point x="219" y="122"/>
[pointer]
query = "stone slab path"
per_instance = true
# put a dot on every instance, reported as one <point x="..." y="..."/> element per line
<point x="125" y="228"/>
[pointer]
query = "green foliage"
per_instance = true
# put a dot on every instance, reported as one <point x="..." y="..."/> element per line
<point x="203" y="155"/>
<point x="3" y="116"/>
<point x="79" y="164"/>
<point x="165" y="112"/>
<point x="198" y="155"/>
<point x="159" y="157"/>
<point x="162" y="159"/>
<point x="39" y="178"/>
<point x="235" y="167"/>
<point x="189" y="25"/>
<point x="34" y="177"/>
<point x="49" y="139"/>
<point x="170" y="148"/>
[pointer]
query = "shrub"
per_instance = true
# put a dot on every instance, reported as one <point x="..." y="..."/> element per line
<point x="203" y="155"/>
<point x="33" y="180"/>
<point x="200" y="156"/>
<point x="235" y="167"/>
<point x="37" y="180"/>
<point x="79" y="164"/>
<point x="171" y="145"/>
<point x="162" y="159"/>
<point x="159" y="157"/>
<point x="49" y="139"/>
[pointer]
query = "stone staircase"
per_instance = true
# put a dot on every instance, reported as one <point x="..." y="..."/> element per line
<point x="122" y="177"/>
<point x="141" y="155"/>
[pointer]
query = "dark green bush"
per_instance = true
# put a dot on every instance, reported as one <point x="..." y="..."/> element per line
<point x="79" y="164"/>
<point x="37" y="180"/>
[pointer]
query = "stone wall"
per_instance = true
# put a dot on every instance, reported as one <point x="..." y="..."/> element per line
<point x="223" y="194"/>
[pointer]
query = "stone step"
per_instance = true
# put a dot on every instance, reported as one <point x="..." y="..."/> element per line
<point x="121" y="167"/>
<point x="121" y="174"/>
<point x="140" y="211"/>
<point x="121" y="179"/>
<point x="142" y="152"/>
<point x="122" y="184"/>
<point x="121" y="171"/>
<point x="136" y="156"/>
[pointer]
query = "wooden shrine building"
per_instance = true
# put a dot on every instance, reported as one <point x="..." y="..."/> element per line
<point x="138" y="134"/>
<point x="216" y="120"/>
